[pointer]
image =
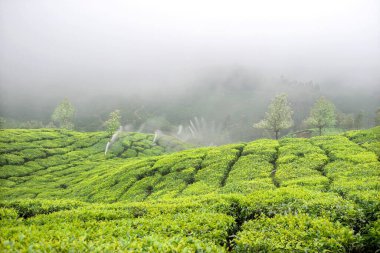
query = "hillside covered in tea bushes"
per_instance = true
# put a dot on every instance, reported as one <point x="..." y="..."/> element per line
<point x="60" y="192"/>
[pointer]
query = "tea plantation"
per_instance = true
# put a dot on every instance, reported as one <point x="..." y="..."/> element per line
<point x="59" y="192"/>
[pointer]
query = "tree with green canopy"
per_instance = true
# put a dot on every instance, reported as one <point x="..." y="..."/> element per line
<point x="113" y="122"/>
<point x="322" y="115"/>
<point x="278" y="117"/>
<point x="64" y="114"/>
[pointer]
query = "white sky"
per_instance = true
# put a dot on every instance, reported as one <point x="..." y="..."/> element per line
<point x="66" y="43"/>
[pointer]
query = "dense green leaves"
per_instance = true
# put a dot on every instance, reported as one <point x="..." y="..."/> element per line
<point x="322" y="114"/>
<point x="279" y="115"/>
<point x="293" y="233"/>
<point x="59" y="192"/>
<point x="64" y="114"/>
<point x="113" y="122"/>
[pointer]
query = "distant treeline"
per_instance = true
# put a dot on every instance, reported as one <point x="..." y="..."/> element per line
<point x="231" y="104"/>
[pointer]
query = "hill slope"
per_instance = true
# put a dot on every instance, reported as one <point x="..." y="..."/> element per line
<point x="241" y="197"/>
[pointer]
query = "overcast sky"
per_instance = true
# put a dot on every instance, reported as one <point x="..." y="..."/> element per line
<point x="54" y="44"/>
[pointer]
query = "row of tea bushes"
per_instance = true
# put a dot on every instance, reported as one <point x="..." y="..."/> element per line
<point x="294" y="233"/>
<point x="359" y="182"/>
<point x="18" y="146"/>
<point x="29" y="135"/>
<point x="354" y="170"/>
<point x="253" y="169"/>
<point x="140" y="145"/>
<point x="204" y="223"/>
<point x="341" y="148"/>
<point x="97" y="228"/>
<point x="369" y="139"/>
<point x="304" y="219"/>
<point x="214" y="169"/>
<point x="211" y="199"/>
<point x="355" y="175"/>
<point x="294" y="200"/>
<point x="236" y="168"/>
<point x="167" y="176"/>
<point x="41" y="149"/>
<point x="300" y="163"/>
<point x="53" y="161"/>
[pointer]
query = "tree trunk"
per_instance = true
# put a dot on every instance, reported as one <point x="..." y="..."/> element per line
<point x="276" y="135"/>
<point x="320" y="131"/>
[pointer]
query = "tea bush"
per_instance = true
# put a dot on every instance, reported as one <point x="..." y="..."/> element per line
<point x="293" y="233"/>
<point x="60" y="192"/>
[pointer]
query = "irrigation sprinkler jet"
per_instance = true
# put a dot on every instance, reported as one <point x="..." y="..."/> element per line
<point x="113" y="139"/>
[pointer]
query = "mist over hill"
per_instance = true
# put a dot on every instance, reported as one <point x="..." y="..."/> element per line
<point x="231" y="98"/>
<point x="173" y="61"/>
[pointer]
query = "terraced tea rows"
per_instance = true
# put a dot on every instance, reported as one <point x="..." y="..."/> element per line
<point x="292" y="195"/>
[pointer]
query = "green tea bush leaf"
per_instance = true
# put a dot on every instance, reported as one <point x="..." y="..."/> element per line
<point x="293" y="233"/>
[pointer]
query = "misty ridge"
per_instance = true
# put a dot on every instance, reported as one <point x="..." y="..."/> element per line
<point x="204" y="71"/>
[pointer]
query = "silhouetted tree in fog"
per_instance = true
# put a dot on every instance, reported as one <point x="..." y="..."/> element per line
<point x="278" y="117"/>
<point x="344" y="121"/>
<point x="322" y="115"/>
<point x="64" y="114"/>
<point x="377" y="117"/>
<point x="359" y="120"/>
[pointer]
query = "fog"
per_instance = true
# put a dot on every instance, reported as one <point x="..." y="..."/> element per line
<point x="85" y="50"/>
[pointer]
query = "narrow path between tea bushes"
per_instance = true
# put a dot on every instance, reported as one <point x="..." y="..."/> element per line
<point x="273" y="173"/>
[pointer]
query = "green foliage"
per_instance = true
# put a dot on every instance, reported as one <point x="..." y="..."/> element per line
<point x="141" y="145"/>
<point x="344" y="121"/>
<point x="340" y="148"/>
<point x="299" y="163"/>
<point x="373" y="236"/>
<point x="64" y="114"/>
<point x="322" y="114"/>
<point x="252" y="171"/>
<point x="265" y="148"/>
<point x="278" y="117"/>
<point x="11" y="159"/>
<point x="8" y="214"/>
<point x="58" y="192"/>
<point x="99" y="228"/>
<point x="26" y="208"/>
<point x="286" y="200"/>
<point x="113" y="123"/>
<point x="293" y="233"/>
<point x="369" y="139"/>
<point x="213" y="170"/>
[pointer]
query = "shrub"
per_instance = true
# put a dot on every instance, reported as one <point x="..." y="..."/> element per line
<point x="293" y="233"/>
<point x="12" y="159"/>
<point x="300" y="200"/>
<point x="8" y="214"/>
<point x="29" y="208"/>
<point x="373" y="236"/>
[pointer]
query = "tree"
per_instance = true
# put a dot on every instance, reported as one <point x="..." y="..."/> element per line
<point x="358" y="121"/>
<point x="32" y="124"/>
<point x="113" y="122"/>
<point x="344" y="121"/>
<point x="322" y="114"/>
<point x="2" y="122"/>
<point x="64" y="114"/>
<point x="377" y="117"/>
<point x="278" y="117"/>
